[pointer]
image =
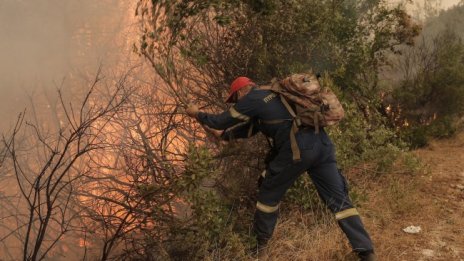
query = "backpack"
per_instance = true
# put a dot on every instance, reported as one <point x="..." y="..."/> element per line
<point x="308" y="103"/>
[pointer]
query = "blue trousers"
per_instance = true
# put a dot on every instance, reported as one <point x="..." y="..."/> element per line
<point x="318" y="159"/>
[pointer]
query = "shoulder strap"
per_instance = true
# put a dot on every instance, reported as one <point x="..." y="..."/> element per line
<point x="265" y="87"/>
<point x="290" y="110"/>
<point x="296" y="123"/>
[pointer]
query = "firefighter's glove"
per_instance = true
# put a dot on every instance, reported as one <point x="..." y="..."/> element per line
<point x="192" y="110"/>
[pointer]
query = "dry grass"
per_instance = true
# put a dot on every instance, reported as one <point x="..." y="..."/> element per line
<point x="308" y="237"/>
<point x="391" y="204"/>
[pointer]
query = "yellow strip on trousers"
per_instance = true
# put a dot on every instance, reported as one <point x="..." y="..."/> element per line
<point x="346" y="213"/>
<point x="265" y="208"/>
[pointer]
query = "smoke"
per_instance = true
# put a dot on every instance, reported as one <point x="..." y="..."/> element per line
<point x="50" y="44"/>
<point x="45" y="42"/>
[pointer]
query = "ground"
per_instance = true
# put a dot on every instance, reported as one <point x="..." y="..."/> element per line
<point x="441" y="196"/>
<point x="432" y="198"/>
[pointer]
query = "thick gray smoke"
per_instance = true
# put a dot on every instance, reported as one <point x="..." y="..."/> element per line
<point x="45" y="45"/>
<point x="43" y="42"/>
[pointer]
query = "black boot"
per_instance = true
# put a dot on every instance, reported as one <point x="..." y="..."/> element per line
<point x="259" y="250"/>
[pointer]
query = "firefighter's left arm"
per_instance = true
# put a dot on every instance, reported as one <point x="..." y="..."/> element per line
<point x="244" y="111"/>
<point x="240" y="131"/>
<point x="220" y="121"/>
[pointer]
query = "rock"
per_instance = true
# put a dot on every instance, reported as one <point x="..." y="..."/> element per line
<point x="412" y="229"/>
<point x="428" y="252"/>
<point x="441" y="243"/>
<point x="459" y="186"/>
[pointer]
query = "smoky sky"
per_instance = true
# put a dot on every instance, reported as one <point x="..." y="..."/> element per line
<point x="43" y="42"/>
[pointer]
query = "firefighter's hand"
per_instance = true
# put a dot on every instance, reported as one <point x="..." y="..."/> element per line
<point x="215" y="133"/>
<point x="192" y="110"/>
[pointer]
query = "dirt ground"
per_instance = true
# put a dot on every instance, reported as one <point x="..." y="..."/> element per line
<point x="433" y="200"/>
<point x="444" y="188"/>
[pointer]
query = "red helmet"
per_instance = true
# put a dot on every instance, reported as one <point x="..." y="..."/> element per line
<point x="238" y="84"/>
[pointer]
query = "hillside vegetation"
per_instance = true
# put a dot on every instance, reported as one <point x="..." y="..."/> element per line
<point x="354" y="43"/>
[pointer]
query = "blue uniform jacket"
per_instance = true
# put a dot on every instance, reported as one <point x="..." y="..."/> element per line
<point x="248" y="116"/>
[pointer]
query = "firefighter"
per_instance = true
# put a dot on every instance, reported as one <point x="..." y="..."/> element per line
<point x="254" y="111"/>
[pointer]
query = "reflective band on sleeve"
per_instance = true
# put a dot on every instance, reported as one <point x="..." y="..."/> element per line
<point x="346" y="213"/>
<point x="265" y="208"/>
<point x="235" y="114"/>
